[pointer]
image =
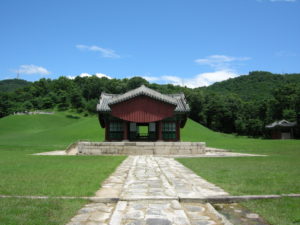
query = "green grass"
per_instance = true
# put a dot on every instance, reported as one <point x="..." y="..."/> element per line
<point x="24" y="174"/>
<point x="275" y="174"/>
<point x="196" y="132"/>
<point x="278" y="173"/>
<point x="37" y="211"/>
<point x="284" y="211"/>
<point x="47" y="132"/>
<point x="250" y="175"/>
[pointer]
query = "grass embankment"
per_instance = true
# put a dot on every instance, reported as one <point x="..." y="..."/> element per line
<point x="47" y="132"/>
<point x="278" y="173"/>
<point x="25" y="174"/>
<point x="196" y="132"/>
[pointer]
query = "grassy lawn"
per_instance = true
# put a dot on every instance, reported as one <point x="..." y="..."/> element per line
<point x="37" y="211"/>
<point x="278" y="173"/>
<point x="47" y="132"/>
<point x="24" y="174"/>
<point x="196" y="132"/>
<point x="284" y="211"/>
<point x="250" y="175"/>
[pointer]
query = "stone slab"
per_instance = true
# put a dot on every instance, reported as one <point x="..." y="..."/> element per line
<point x="139" y="148"/>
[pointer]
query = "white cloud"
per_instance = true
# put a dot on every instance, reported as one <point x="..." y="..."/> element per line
<point x="220" y="62"/>
<point x="202" y="79"/>
<point x="105" y="52"/>
<point x="150" y="78"/>
<point x="32" y="69"/>
<point x="217" y="76"/>
<point x="99" y="75"/>
<point x="85" y="75"/>
<point x="173" y="80"/>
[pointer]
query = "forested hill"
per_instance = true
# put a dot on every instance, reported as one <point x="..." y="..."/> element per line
<point x="256" y="85"/>
<point x="242" y="105"/>
<point x="12" y="84"/>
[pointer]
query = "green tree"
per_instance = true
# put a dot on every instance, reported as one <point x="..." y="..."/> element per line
<point x="135" y="82"/>
<point x="290" y="115"/>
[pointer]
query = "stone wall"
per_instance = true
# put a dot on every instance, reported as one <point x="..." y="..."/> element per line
<point x="140" y="148"/>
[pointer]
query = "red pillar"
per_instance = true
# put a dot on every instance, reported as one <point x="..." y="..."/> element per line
<point x="125" y="134"/>
<point x="160" y="137"/>
<point x="178" y="131"/>
<point x="107" y="131"/>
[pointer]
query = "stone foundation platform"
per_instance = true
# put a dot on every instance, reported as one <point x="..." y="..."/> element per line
<point x="137" y="148"/>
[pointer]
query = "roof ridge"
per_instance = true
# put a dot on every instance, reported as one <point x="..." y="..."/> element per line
<point x="143" y="90"/>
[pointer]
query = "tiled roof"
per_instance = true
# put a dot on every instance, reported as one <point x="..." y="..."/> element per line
<point x="182" y="105"/>
<point x="281" y="123"/>
<point x="175" y="99"/>
<point x="142" y="90"/>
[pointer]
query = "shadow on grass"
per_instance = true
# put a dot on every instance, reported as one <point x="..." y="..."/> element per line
<point x="73" y="117"/>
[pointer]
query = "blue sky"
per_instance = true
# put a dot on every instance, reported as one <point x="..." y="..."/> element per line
<point x="192" y="42"/>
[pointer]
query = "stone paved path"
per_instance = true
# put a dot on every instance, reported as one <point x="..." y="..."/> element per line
<point x="149" y="188"/>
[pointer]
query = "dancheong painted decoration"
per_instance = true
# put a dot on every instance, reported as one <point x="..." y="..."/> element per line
<point x="142" y="114"/>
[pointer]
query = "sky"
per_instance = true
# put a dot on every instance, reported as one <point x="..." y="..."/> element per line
<point x="183" y="42"/>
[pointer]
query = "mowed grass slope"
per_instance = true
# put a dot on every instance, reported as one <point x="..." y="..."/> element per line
<point x="25" y="174"/>
<point x="47" y="132"/>
<point x="53" y="132"/>
<point x="277" y="173"/>
<point x="196" y="132"/>
<point x="22" y="173"/>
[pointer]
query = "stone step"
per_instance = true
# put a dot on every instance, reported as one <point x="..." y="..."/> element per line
<point x="137" y="148"/>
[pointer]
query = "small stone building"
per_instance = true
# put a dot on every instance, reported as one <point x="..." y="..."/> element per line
<point x="282" y="129"/>
<point x="142" y="114"/>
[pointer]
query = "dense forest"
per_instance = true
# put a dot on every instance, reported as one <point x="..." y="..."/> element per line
<point x="12" y="84"/>
<point x="242" y="105"/>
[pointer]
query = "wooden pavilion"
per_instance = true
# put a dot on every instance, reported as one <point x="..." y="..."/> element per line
<point x="282" y="129"/>
<point x="142" y="114"/>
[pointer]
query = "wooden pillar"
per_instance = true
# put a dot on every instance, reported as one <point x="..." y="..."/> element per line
<point x="178" y="131"/>
<point x="160" y="137"/>
<point x="107" y="131"/>
<point x="125" y="130"/>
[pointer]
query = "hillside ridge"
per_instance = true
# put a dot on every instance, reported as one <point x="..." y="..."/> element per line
<point x="10" y="85"/>
<point x="258" y="84"/>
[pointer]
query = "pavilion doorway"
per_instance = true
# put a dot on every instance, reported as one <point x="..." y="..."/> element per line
<point x="142" y="132"/>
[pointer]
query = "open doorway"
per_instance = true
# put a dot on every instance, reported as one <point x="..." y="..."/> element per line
<point x="143" y="131"/>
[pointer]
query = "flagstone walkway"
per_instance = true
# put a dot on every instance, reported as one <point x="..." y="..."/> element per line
<point x="148" y="189"/>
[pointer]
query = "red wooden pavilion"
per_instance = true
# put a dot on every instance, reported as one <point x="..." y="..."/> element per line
<point x="142" y="114"/>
